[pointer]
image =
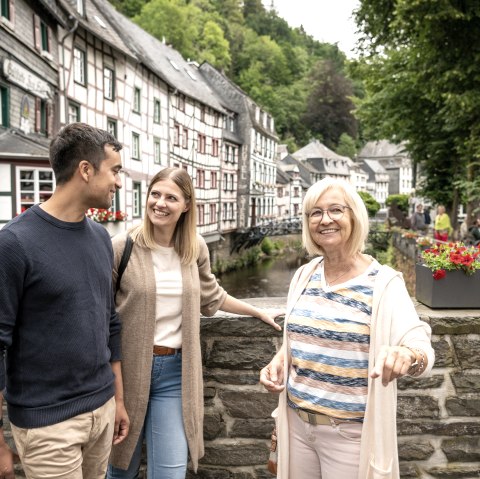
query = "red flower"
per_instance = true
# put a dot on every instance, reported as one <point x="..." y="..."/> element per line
<point x="439" y="274"/>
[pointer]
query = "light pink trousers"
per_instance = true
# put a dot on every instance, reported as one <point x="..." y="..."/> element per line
<point x="323" y="452"/>
<point x="77" y="448"/>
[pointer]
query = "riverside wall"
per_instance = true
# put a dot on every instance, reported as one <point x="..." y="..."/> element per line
<point x="438" y="417"/>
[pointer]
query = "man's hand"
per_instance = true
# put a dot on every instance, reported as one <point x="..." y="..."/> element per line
<point x="122" y="423"/>
<point x="7" y="458"/>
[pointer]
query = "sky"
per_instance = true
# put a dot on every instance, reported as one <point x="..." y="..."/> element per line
<point x="328" y="21"/>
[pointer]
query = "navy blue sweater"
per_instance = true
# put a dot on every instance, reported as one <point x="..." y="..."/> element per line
<point x="58" y="325"/>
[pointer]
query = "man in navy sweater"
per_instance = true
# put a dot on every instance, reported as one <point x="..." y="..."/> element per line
<point x="59" y="332"/>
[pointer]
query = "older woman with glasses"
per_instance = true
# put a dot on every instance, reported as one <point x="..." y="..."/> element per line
<point x="350" y="331"/>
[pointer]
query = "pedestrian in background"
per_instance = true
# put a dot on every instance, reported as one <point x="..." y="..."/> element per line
<point x="418" y="219"/>
<point x="442" y="228"/>
<point x="166" y="285"/>
<point x="59" y="332"/>
<point x="350" y="331"/>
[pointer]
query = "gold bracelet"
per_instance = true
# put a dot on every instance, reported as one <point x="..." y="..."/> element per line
<point x="417" y="367"/>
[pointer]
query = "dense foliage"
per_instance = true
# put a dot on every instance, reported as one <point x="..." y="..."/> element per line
<point x="300" y="81"/>
<point x="421" y="68"/>
<point x="372" y="205"/>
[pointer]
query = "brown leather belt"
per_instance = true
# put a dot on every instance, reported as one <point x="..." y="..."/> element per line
<point x="164" y="351"/>
<point x="317" y="419"/>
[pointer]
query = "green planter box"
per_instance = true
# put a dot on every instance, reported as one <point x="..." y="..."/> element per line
<point x="456" y="290"/>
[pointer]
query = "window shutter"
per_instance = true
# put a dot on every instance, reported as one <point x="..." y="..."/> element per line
<point x="50" y="40"/>
<point x="37" y="36"/>
<point x="11" y="11"/>
<point x="38" y="114"/>
<point x="49" y="119"/>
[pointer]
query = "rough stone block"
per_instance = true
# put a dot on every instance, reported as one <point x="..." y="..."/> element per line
<point x="462" y="449"/>
<point x="455" y="323"/>
<point x="407" y="382"/>
<point x="213" y="426"/>
<point x="409" y="471"/>
<point x="443" y="354"/>
<point x="467" y="351"/>
<point x="255" y="428"/>
<point x="263" y="473"/>
<point x="238" y="454"/>
<point x="455" y="471"/>
<point x="240" y="353"/>
<point x="458" y="406"/>
<point x="228" y="376"/>
<point x="438" y="428"/>
<point x="248" y="405"/>
<point x="204" y="473"/>
<point x="415" y="451"/>
<point x="237" y="327"/>
<point x="417" y="406"/>
<point x="465" y="382"/>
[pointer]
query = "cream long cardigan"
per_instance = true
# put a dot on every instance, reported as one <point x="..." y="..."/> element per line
<point x="394" y="321"/>
<point x="135" y="302"/>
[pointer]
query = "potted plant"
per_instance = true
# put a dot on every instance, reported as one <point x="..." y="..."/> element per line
<point x="447" y="276"/>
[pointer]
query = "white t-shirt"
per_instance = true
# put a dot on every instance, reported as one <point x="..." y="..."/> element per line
<point x="168" y="279"/>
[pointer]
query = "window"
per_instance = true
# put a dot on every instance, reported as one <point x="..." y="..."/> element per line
<point x="34" y="185"/>
<point x="176" y="135"/>
<point x="213" y="213"/>
<point x="137" y="199"/>
<point x="225" y="182"/>
<point x="79" y="66"/>
<point x="202" y="114"/>
<point x="215" y="147"/>
<point x="42" y="35"/>
<point x="202" y="143"/>
<point x="216" y="117"/>
<point x="296" y="192"/>
<point x="225" y="211"/>
<point x="232" y="212"/>
<point x="5" y="9"/>
<point x="137" y="98"/>
<point x="80" y="8"/>
<point x="112" y="126"/>
<point x="185" y="138"/>
<point x="201" y="214"/>
<point x="201" y="178"/>
<point x="4" y="110"/>
<point x="73" y="112"/>
<point x="279" y="192"/>
<point x="40" y="115"/>
<point x="135" y="146"/>
<point x="157" y="116"/>
<point x="181" y="102"/>
<point x="232" y="182"/>
<point x="231" y="124"/>
<point x="213" y="180"/>
<point x="108" y="83"/>
<point x="156" y="151"/>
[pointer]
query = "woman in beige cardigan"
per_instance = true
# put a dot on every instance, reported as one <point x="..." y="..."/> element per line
<point x="165" y="287"/>
<point x="350" y="331"/>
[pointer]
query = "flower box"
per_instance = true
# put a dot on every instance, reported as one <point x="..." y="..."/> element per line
<point x="455" y="290"/>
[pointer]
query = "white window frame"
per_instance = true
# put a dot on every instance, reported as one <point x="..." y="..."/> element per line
<point x="108" y="83"/>
<point x="136" y="199"/>
<point x="37" y="193"/>
<point x="79" y="64"/>
<point x="135" y="146"/>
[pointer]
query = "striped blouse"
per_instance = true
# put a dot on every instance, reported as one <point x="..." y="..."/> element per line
<point x="329" y="336"/>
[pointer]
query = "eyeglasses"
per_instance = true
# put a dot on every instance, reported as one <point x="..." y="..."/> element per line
<point x="334" y="212"/>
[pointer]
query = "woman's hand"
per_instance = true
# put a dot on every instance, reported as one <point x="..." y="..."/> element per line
<point x="269" y="317"/>
<point x="271" y="376"/>
<point x="392" y="362"/>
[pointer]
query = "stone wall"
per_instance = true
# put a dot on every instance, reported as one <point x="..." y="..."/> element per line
<point x="438" y="417"/>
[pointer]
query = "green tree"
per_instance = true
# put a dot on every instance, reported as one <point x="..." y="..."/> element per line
<point x="346" y="146"/>
<point x="401" y="201"/>
<point x="213" y="47"/>
<point x="422" y="88"/>
<point x="329" y="106"/>
<point x="370" y="202"/>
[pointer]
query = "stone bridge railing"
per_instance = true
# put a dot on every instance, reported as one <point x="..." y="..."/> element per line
<point x="438" y="417"/>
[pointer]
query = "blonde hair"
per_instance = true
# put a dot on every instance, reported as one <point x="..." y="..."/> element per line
<point x="185" y="240"/>
<point x="359" y="215"/>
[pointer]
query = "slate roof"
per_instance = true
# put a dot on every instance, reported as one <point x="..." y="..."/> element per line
<point x="17" y="144"/>
<point x="282" y="178"/>
<point x="97" y="23"/>
<point x="382" y="149"/>
<point x="376" y="172"/>
<point x="163" y="60"/>
<point x="288" y="162"/>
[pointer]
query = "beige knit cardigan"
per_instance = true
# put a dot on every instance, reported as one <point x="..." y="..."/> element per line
<point x="135" y="301"/>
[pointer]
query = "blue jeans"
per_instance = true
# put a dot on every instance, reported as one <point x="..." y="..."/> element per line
<point x="167" y="449"/>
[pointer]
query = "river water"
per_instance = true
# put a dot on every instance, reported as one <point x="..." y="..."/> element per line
<point x="268" y="278"/>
